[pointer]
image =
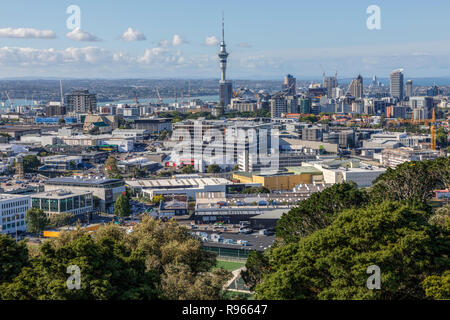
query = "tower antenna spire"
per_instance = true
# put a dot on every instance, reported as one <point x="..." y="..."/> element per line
<point x="223" y="27"/>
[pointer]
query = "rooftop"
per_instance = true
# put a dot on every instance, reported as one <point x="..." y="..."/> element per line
<point x="59" y="194"/>
<point x="81" y="180"/>
<point x="168" y="183"/>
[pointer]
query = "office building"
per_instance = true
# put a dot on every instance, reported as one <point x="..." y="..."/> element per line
<point x="305" y="105"/>
<point x="433" y="91"/>
<point x="409" y="88"/>
<point x="356" y="87"/>
<point x="330" y="83"/>
<point x="107" y="190"/>
<point x="54" y="202"/>
<point x="396" y="84"/>
<point x="278" y="105"/>
<point x="81" y="101"/>
<point x="290" y="85"/>
<point x="12" y="213"/>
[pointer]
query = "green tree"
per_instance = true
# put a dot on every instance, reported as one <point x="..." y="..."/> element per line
<point x="138" y="172"/>
<point x="156" y="200"/>
<point x="13" y="257"/>
<point x="412" y="180"/>
<point x="111" y="168"/>
<point x="438" y="287"/>
<point x="441" y="138"/>
<point x="187" y="169"/>
<point x="61" y="219"/>
<point x="309" y="118"/>
<point x="236" y="167"/>
<point x="122" y="207"/>
<point x="36" y="220"/>
<point x="257" y="265"/>
<point x="30" y="163"/>
<point x="183" y="264"/>
<point x="109" y="271"/>
<point x="213" y="168"/>
<point x="319" y="210"/>
<point x="441" y="217"/>
<point x="331" y="263"/>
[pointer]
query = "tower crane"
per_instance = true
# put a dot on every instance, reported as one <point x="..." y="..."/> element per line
<point x="433" y="131"/>
<point x="11" y="102"/>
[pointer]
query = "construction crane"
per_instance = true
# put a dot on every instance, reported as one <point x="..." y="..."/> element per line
<point x="433" y="131"/>
<point x="11" y="102"/>
<point x="431" y="121"/>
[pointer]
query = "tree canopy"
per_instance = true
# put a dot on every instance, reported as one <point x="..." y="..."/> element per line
<point x="30" y="163"/>
<point x="319" y="210"/>
<point x="412" y="180"/>
<point x="111" y="168"/>
<point x="158" y="260"/>
<point x="36" y="220"/>
<point x="13" y="257"/>
<point x="213" y="168"/>
<point x="331" y="263"/>
<point x="122" y="207"/>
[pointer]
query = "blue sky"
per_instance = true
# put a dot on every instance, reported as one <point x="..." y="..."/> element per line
<point x="265" y="39"/>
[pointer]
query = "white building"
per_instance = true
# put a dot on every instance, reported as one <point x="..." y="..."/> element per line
<point x="136" y="134"/>
<point x="12" y="212"/>
<point x="123" y="144"/>
<point x="337" y="171"/>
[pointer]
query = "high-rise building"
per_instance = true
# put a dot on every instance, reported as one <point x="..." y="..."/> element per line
<point x="278" y="105"/>
<point x="396" y="78"/>
<point x="330" y="83"/>
<point x="356" y="87"/>
<point x="305" y="105"/>
<point x="225" y="87"/>
<point x="289" y="85"/>
<point x="81" y="101"/>
<point x="409" y="88"/>
<point x="433" y="91"/>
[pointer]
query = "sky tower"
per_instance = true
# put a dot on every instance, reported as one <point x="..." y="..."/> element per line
<point x="225" y="87"/>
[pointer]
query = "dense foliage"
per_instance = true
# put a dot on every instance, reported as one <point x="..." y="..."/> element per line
<point x="319" y="210"/>
<point x="412" y="180"/>
<point x="327" y="243"/>
<point x="36" y="220"/>
<point x="13" y="257"/>
<point x="30" y="163"/>
<point x="331" y="263"/>
<point x="156" y="260"/>
<point x="122" y="207"/>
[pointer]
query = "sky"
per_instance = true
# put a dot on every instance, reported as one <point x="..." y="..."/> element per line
<point x="265" y="39"/>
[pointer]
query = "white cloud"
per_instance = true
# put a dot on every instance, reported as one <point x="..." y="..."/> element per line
<point x="27" y="33"/>
<point x="177" y="40"/>
<point x="80" y="35"/>
<point x="151" y="55"/>
<point x="133" y="35"/>
<point x="164" y="43"/>
<point x="211" y="41"/>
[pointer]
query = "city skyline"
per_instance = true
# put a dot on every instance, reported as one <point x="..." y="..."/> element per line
<point x="265" y="40"/>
